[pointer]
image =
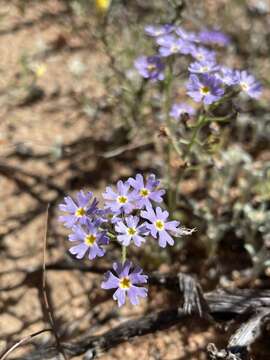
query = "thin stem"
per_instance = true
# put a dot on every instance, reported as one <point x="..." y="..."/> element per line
<point x="172" y="142"/>
<point x="201" y="121"/>
<point x="221" y="119"/>
<point x="111" y="235"/>
<point x="124" y="254"/>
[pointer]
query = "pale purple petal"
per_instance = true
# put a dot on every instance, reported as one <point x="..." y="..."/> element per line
<point x="110" y="282"/>
<point x="135" y="292"/>
<point x="138" y="240"/>
<point x="79" y="250"/>
<point x="120" y="296"/>
<point x="172" y="226"/>
<point x="165" y="238"/>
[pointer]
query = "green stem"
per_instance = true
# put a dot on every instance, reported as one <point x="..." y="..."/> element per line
<point x="196" y="130"/>
<point x="226" y="97"/>
<point x="221" y="119"/>
<point x="172" y="143"/>
<point x="112" y="236"/>
<point x="124" y="254"/>
<point x="200" y="123"/>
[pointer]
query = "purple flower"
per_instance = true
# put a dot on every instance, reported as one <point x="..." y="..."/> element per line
<point x="80" y="210"/>
<point x="158" y="30"/>
<point x="159" y="227"/>
<point x="203" y="67"/>
<point x="187" y="35"/>
<point x="180" y="109"/>
<point x="121" y="200"/>
<point x="124" y="279"/>
<point x="227" y="76"/>
<point x="150" y="67"/>
<point x="214" y="37"/>
<point x="169" y="44"/>
<point x="206" y="88"/>
<point x="248" y="84"/>
<point x="146" y="192"/>
<point x="200" y="53"/>
<point x="131" y="231"/>
<point x="90" y="239"/>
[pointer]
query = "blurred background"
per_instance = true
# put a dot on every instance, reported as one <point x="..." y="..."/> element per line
<point x="76" y="114"/>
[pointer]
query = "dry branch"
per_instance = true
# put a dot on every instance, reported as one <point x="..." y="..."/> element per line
<point x="21" y="342"/>
<point x="243" y="337"/>
<point x="221" y="304"/>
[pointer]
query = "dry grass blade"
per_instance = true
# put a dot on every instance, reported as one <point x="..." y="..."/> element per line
<point x="21" y="342"/>
<point x="44" y="291"/>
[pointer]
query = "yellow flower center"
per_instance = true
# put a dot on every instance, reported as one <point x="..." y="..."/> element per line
<point x="205" y="90"/>
<point x="200" y="57"/>
<point x="103" y="5"/>
<point x="125" y="283"/>
<point x="151" y="67"/>
<point x="244" y="86"/>
<point x="174" y="48"/>
<point x="159" y="224"/>
<point x="122" y="199"/>
<point x="80" y="212"/>
<point x="131" y="231"/>
<point x="205" y="69"/>
<point x="40" y="70"/>
<point x="144" y="192"/>
<point x="90" y="239"/>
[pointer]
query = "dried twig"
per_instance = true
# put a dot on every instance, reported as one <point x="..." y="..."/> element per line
<point x="44" y="292"/>
<point x="194" y="301"/>
<point x="124" y="148"/>
<point x="228" y="308"/>
<point x="243" y="337"/>
<point x="96" y="345"/>
<point x="21" y="342"/>
<point x="221" y="304"/>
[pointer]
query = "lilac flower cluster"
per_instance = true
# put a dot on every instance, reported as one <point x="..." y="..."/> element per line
<point x="208" y="81"/>
<point x="130" y="216"/>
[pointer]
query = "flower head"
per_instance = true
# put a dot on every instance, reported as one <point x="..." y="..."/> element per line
<point x="187" y="35"/>
<point x="39" y="69"/>
<point x="180" y="109"/>
<point x="200" y="53"/>
<point x="227" y="76"/>
<point x="206" y="88"/>
<point x="145" y="192"/>
<point x="170" y="44"/>
<point x="248" y="84"/>
<point x="214" y="37"/>
<point x="90" y="239"/>
<point x="159" y="227"/>
<point x="150" y="67"/>
<point x="120" y="200"/>
<point x="103" y="5"/>
<point x="203" y="67"/>
<point x="158" y="30"/>
<point x="130" y="230"/>
<point x="78" y="211"/>
<point x="125" y="279"/>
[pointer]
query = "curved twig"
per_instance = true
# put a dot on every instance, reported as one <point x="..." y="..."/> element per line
<point x="21" y="342"/>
